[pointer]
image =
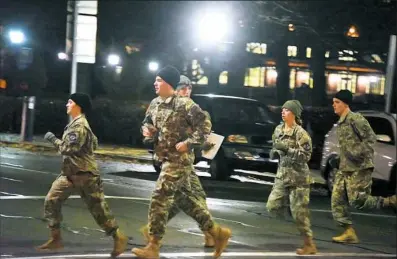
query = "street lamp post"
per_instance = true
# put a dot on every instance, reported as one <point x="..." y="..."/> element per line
<point x="17" y="37"/>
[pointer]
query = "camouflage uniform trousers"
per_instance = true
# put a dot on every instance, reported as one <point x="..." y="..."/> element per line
<point x="298" y="200"/>
<point x="90" y="188"/>
<point x="184" y="204"/>
<point x="352" y="189"/>
<point x="174" y="184"/>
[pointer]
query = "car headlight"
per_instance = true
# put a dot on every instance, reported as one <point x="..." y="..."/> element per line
<point x="237" y="139"/>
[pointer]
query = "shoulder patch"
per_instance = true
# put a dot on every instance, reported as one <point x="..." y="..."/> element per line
<point x="306" y="146"/>
<point x="72" y="137"/>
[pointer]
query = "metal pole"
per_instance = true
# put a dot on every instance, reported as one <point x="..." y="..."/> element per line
<point x="24" y="117"/>
<point x="30" y="116"/>
<point x="73" y="82"/>
<point x="391" y="67"/>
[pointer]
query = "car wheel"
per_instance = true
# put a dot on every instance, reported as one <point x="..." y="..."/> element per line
<point x="331" y="179"/>
<point x="219" y="169"/>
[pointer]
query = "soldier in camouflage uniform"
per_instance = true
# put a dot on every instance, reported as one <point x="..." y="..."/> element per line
<point x="172" y="116"/>
<point x="353" y="180"/>
<point x="79" y="173"/>
<point x="292" y="145"/>
<point x="184" y="89"/>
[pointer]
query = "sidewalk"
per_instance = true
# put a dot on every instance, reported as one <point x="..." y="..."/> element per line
<point x="109" y="151"/>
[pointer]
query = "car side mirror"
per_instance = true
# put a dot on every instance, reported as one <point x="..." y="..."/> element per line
<point x="383" y="138"/>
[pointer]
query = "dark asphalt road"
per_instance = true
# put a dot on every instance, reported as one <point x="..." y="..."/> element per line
<point x="26" y="178"/>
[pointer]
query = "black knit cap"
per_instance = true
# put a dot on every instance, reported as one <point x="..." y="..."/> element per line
<point x="82" y="100"/>
<point x="345" y="96"/>
<point x="170" y="75"/>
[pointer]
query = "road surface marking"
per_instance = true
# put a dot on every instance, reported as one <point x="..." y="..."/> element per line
<point x="8" y="156"/>
<point x="360" y="214"/>
<point x="236" y="222"/>
<point x="10" y="165"/>
<point x="13" y="194"/>
<point x="22" y="168"/>
<point x="186" y="231"/>
<point x="148" y="199"/>
<point x="10" y="179"/>
<point x="224" y="254"/>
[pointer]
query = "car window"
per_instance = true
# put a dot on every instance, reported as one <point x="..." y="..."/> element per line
<point x="381" y="126"/>
<point x="239" y="111"/>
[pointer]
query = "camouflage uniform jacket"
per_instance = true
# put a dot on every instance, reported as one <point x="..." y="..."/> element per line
<point x="293" y="169"/>
<point x="173" y="118"/>
<point x="356" y="141"/>
<point x="77" y="147"/>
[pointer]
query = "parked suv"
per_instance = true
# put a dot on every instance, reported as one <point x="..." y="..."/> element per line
<point x="247" y="127"/>
<point x="384" y="175"/>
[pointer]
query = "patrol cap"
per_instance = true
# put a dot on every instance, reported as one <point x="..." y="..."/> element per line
<point x="345" y="96"/>
<point x="82" y="100"/>
<point x="170" y="75"/>
<point x="183" y="81"/>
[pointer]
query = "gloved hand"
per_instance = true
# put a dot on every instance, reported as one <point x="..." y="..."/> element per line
<point x="276" y="154"/>
<point x="280" y="146"/>
<point x="207" y="146"/>
<point x="49" y="136"/>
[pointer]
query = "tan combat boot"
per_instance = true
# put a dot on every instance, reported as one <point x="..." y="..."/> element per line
<point x="208" y="239"/>
<point x="120" y="243"/>
<point x="221" y="237"/>
<point x="309" y="248"/>
<point x="145" y="232"/>
<point x="349" y="236"/>
<point x="151" y="250"/>
<point x="390" y="202"/>
<point x="54" y="243"/>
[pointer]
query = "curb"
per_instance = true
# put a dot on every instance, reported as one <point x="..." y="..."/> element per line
<point x="51" y="148"/>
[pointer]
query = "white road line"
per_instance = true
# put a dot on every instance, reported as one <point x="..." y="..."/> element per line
<point x="225" y="254"/>
<point x="10" y="165"/>
<point x="8" y="156"/>
<point x="360" y="214"/>
<point x="10" y="179"/>
<point x="236" y="222"/>
<point x="186" y="231"/>
<point x="13" y="194"/>
<point x="40" y="197"/>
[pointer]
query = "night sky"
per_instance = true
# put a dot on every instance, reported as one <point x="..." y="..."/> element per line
<point x="158" y="22"/>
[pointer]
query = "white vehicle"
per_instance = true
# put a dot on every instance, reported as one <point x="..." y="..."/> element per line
<point x="384" y="175"/>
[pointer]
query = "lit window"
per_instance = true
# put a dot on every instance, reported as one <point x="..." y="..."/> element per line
<point x="194" y="64"/>
<point x="302" y="77"/>
<point x="292" y="51"/>
<point x="346" y="55"/>
<point x="203" y="81"/>
<point x="376" y="59"/>
<point x="340" y="81"/>
<point x="292" y="76"/>
<point x="257" y="48"/>
<point x="371" y="84"/>
<point x="254" y="77"/>
<point x="223" y="78"/>
<point x="308" y="52"/>
<point x="327" y="54"/>
<point x="271" y="77"/>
